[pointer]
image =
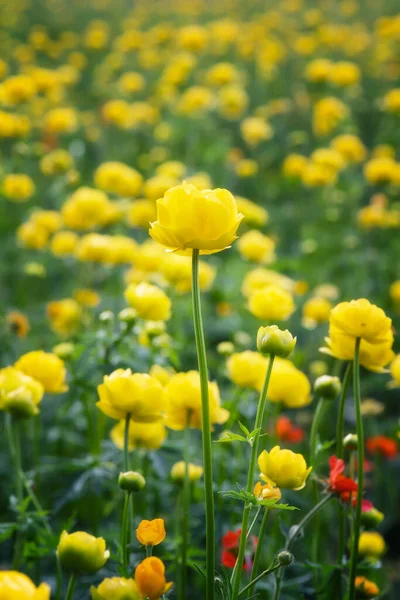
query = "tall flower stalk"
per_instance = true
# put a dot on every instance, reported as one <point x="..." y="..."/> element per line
<point x="206" y="428"/>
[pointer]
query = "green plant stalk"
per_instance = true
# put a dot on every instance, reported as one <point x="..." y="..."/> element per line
<point x="71" y="587"/>
<point x="360" y="470"/>
<point x="339" y="454"/>
<point x="149" y="551"/>
<point x="185" y="514"/>
<point x="206" y="428"/>
<point x="260" y="576"/>
<point x="292" y="537"/>
<point x="250" y="477"/>
<point x="257" y="556"/>
<point x="319" y="412"/>
<point x="125" y="533"/>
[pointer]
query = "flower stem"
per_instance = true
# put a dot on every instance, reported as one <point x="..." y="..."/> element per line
<point x="185" y="514"/>
<point x="257" y="556"/>
<point x="250" y="585"/>
<point x="149" y="551"/>
<point x="71" y="587"/>
<point x="360" y="470"/>
<point x="125" y="533"/>
<point x="339" y="454"/>
<point x="319" y="411"/>
<point x="237" y="571"/>
<point x="206" y="428"/>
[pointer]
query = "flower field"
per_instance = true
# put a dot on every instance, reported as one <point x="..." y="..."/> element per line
<point x="199" y="299"/>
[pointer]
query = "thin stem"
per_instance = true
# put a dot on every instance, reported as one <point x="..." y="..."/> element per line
<point x="185" y="514"/>
<point x="339" y="454"/>
<point x="250" y="529"/>
<point x="257" y="556"/>
<point x="250" y="477"/>
<point x="260" y="576"/>
<point x="360" y="470"/>
<point x="319" y="412"/>
<point x="125" y="533"/>
<point x="206" y="428"/>
<point x="71" y="587"/>
<point x="126" y="442"/>
<point x="149" y="551"/>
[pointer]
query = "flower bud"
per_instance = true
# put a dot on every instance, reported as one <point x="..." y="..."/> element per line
<point x="225" y="348"/>
<point x="81" y="552"/>
<point x="107" y="316"/>
<point x="127" y="315"/>
<point x="131" y="481"/>
<point x="178" y="472"/>
<point x="151" y="533"/>
<point x="285" y="558"/>
<point x="117" y="588"/>
<point x="350" y="441"/>
<point x="64" y="349"/>
<point x="371" y="518"/>
<point x="327" y="387"/>
<point x="154" y="328"/>
<point x="274" y="341"/>
<point x="20" y="404"/>
<point x="242" y="338"/>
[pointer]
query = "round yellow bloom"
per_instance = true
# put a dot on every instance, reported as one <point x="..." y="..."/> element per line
<point x="32" y="236"/>
<point x="20" y="394"/>
<point x="350" y="147"/>
<point x="254" y="215"/>
<point x="196" y="100"/>
<point x="177" y="270"/>
<point x="267" y="491"/>
<point x="391" y="101"/>
<point x="288" y="385"/>
<point x="394" y="291"/>
<point x="87" y="208"/>
<point x="318" y="70"/>
<point x="18" y="89"/>
<point x="284" y="467"/>
<point x="294" y="165"/>
<point x="81" y="552"/>
<point x="116" y="588"/>
<point x="361" y="319"/>
<point x="222" y="73"/>
<point x="131" y="82"/>
<point x="141" y="213"/>
<point x="183" y="399"/>
<point x="50" y="220"/>
<point x="189" y="218"/>
<point x="246" y="368"/>
<point x="371" y="544"/>
<point x="255" y="130"/>
<point x="137" y="394"/>
<point x="65" y="315"/>
<point x="45" y="367"/>
<point x="150" y="578"/>
<point x="328" y="113"/>
<point x="257" y="247"/>
<point x="232" y="101"/>
<point x="260" y="278"/>
<point x="148" y="436"/>
<point x="18" y="586"/>
<point x="317" y="310"/>
<point x="272" y="303"/>
<point x="56" y="162"/>
<point x="18" y="187"/>
<point x="380" y="170"/>
<point x="151" y="533"/>
<point x="179" y="469"/>
<point x="395" y="371"/>
<point x="118" y="178"/>
<point x="192" y="37"/>
<point x="61" y="120"/>
<point x="150" y="302"/>
<point x="344" y="74"/>
<point x="87" y="297"/>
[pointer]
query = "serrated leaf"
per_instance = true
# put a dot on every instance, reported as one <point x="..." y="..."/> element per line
<point x="228" y="436"/>
<point x="273" y="503"/>
<point x="244" y="429"/>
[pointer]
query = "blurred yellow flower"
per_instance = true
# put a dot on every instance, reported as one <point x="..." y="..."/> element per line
<point x="150" y="578"/>
<point x="148" y="436"/>
<point x="179" y="469"/>
<point x="45" y="367"/>
<point x="117" y="588"/>
<point x="150" y="301"/>
<point x="65" y="315"/>
<point x="371" y="544"/>
<point x="255" y="246"/>
<point x="18" y="586"/>
<point x="272" y="303"/>
<point x="246" y="368"/>
<point x="17" y="187"/>
<point x="288" y="385"/>
<point x="118" y="178"/>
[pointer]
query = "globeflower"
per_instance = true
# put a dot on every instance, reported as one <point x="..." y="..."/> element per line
<point x="246" y="368"/>
<point x="188" y="218"/>
<point x="117" y="588"/>
<point x="150" y="301"/>
<point x="150" y="578"/>
<point x="287" y="384"/>
<point x="148" y="436"/>
<point x="45" y="367"/>
<point x="20" y="394"/>
<point x="283" y="467"/>
<point x="65" y="315"/>
<point x="272" y="303"/>
<point x="18" y="187"/>
<point x="255" y="246"/>
<point x="137" y="394"/>
<point x="151" y="533"/>
<point x="395" y="372"/>
<point x="179" y="469"/>
<point x="81" y="552"/>
<point x="18" y="586"/>
<point x="371" y="544"/>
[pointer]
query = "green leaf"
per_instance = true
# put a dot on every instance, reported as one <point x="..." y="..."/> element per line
<point x="7" y="530"/>
<point x="244" y="429"/>
<point x="228" y="436"/>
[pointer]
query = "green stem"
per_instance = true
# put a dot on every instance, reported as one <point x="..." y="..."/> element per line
<point x="125" y="533"/>
<point x="292" y="537"/>
<point x="257" y="556"/>
<point x="360" y="470"/>
<point x="185" y="515"/>
<point x="126" y="442"/>
<point x="71" y="587"/>
<point x="339" y="454"/>
<point x="250" y="529"/>
<point x="237" y="571"/>
<point x="15" y="455"/>
<point x="250" y="585"/>
<point x="149" y="551"/>
<point x="206" y="428"/>
<point x="319" y="412"/>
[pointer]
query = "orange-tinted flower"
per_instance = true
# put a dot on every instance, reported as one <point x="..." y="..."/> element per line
<point x="382" y="446"/>
<point x="365" y="588"/>
<point x="18" y="323"/>
<point x="150" y="578"/>
<point x="151" y="533"/>
<point x="287" y="432"/>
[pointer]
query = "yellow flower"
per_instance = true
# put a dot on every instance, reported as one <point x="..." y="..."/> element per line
<point x="267" y="491"/>
<point x="288" y="385"/>
<point x="116" y="588"/>
<point x="257" y="247"/>
<point x="150" y="302"/>
<point x="380" y="170"/>
<point x="87" y="208"/>
<point x="391" y="101"/>
<point x="148" y="436"/>
<point x="118" y="178"/>
<point x="141" y="213"/>
<point x="365" y="588"/>
<point x="87" y="297"/>
<point x="394" y="291"/>
<point x="131" y="82"/>
<point x="255" y="130"/>
<point x="65" y="315"/>
<point x="150" y="578"/>
<point x="222" y="73"/>
<point x="246" y="368"/>
<point x="361" y="319"/>
<point x="156" y="186"/>
<point x="371" y="543"/>
<point x="395" y="371"/>
<point x="18" y="187"/>
<point x="18" y="89"/>
<point x="195" y="100"/>
<point x="45" y="367"/>
<point x="272" y="303"/>
<point x="61" y="120"/>
<point x="177" y="270"/>
<point x="260" y="278"/>
<point x="56" y="162"/>
<point x="328" y="113"/>
<point x="137" y="394"/>
<point x="294" y="165"/>
<point x="254" y="215"/>
<point x="316" y="310"/>
<point x="64" y="243"/>
<point x="344" y="73"/>
<point x="179" y="468"/>
<point x="81" y="552"/>
<point x="350" y="147"/>
<point x="151" y="533"/>
<point x="183" y="400"/>
<point x="163" y="374"/>
<point x="18" y="586"/>
<point x="232" y="101"/>
<point x="373" y="357"/>
<point x="20" y="394"/>
<point x="318" y="70"/>
<point x="285" y="468"/>
<point x="189" y="218"/>
<point x="32" y="236"/>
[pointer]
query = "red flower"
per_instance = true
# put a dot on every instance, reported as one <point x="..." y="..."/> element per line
<point x="287" y="432"/>
<point x="382" y="445"/>
<point x="339" y="483"/>
<point x="230" y="548"/>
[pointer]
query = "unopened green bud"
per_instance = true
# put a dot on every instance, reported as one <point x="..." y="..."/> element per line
<point x="131" y="481"/>
<point x="274" y="341"/>
<point x="372" y="518"/>
<point x="20" y="404"/>
<point x="127" y="315"/>
<point x="327" y="387"/>
<point x="107" y="316"/>
<point x="64" y="349"/>
<point x="225" y="348"/>
<point x="285" y="558"/>
<point x="350" y="441"/>
<point x="154" y="328"/>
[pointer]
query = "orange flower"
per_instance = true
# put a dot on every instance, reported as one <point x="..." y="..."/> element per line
<point x="287" y="432"/>
<point x="382" y="445"/>
<point x="151" y="533"/>
<point x="366" y="588"/>
<point x="150" y="578"/>
<point x="18" y="323"/>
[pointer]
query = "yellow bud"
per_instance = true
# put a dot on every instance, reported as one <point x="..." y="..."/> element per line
<point x="81" y="552"/>
<point x="274" y="341"/>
